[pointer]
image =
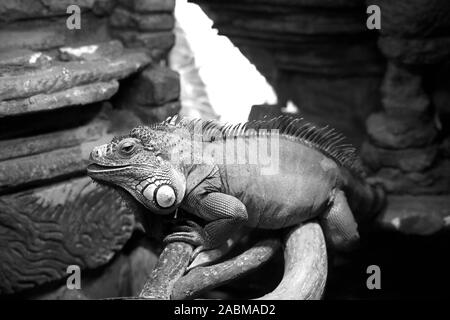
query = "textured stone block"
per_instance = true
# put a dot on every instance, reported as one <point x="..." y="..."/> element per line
<point x="445" y="147"/>
<point x="317" y="54"/>
<point x="400" y="132"/>
<point x="80" y="95"/>
<point x="70" y="74"/>
<point x="30" y="9"/>
<point x="422" y="215"/>
<point x="416" y="51"/>
<point x="157" y="114"/>
<point x="156" y="85"/>
<point x="44" y="230"/>
<point x="435" y="180"/>
<point x="122" y="18"/>
<point x="344" y="105"/>
<point x="414" y="18"/>
<point x="142" y="261"/>
<point x="287" y="23"/>
<point x="31" y="39"/>
<point x="149" y="5"/>
<point x="11" y="60"/>
<point x="110" y="49"/>
<point x="157" y="44"/>
<point x="46" y="34"/>
<point x="36" y="144"/>
<point x="258" y="112"/>
<point x="404" y="159"/>
<point x="46" y="166"/>
<point x="403" y="93"/>
<point x="53" y="120"/>
<point x="291" y="4"/>
<point x="331" y="59"/>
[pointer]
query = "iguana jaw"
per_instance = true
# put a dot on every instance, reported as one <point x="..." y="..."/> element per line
<point x="158" y="194"/>
<point x="94" y="169"/>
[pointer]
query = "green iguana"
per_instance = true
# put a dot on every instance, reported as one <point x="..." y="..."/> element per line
<point x="220" y="173"/>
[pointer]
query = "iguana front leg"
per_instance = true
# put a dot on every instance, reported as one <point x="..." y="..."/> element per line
<point x="224" y="214"/>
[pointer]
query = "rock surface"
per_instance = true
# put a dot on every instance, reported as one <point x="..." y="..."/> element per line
<point x="36" y="144"/>
<point x="157" y="44"/>
<point x="63" y="76"/>
<point x="302" y="47"/>
<point x="122" y="18"/>
<point x="46" y="229"/>
<point x="155" y="86"/>
<point x="403" y="92"/>
<point x="407" y="160"/>
<point x="416" y="51"/>
<point x="400" y="132"/>
<point x="53" y="84"/>
<point x="414" y="18"/>
<point x="14" y="59"/>
<point x="435" y="180"/>
<point x="422" y="215"/>
<point x="52" y="33"/>
<point x="157" y="114"/>
<point x="152" y="95"/>
<point x="102" y="50"/>
<point x="11" y="10"/>
<point x="142" y="261"/>
<point x="78" y="95"/>
<point x="146" y="6"/>
<point x="45" y="167"/>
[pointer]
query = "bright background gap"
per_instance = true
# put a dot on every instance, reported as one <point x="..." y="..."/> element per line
<point x="233" y="84"/>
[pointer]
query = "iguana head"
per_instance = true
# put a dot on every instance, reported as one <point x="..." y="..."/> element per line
<point x="140" y="164"/>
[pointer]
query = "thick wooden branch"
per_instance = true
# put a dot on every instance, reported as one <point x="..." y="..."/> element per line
<point x="304" y="277"/>
<point x="305" y="271"/>
<point x="202" y="279"/>
<point x="171" y="265"/>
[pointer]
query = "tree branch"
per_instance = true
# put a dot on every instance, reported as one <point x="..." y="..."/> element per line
<point x="202" y="279"/>
<point x="306" y="265"/>
<point x="171" y="265"/>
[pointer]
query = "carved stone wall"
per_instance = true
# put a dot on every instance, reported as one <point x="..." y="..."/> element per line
<point x="406" y="143"/>
<point x="61" y="93"/>
<point x="318" y="54"/>
<point x="387" y="90"/>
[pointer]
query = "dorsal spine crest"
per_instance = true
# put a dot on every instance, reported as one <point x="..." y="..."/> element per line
<point x="324" y="139"/>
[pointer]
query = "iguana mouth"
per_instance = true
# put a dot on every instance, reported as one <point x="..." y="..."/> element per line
<point x="96" y="168"/>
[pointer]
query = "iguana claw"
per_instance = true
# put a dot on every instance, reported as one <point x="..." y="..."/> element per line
<point x="196" y="252"/>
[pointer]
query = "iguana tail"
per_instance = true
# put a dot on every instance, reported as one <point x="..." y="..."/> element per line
<point x="354" y="205"/>
<point x="366" y="199"/>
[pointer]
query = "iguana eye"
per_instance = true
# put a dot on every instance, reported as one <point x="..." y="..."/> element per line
<point x="126" y="147"/>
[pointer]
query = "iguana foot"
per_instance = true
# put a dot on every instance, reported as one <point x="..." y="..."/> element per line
<point x="190" y="232"/>
<point x="197" y="251"/>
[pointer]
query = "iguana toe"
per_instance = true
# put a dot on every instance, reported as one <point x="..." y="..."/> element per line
<point x="188" y="226"/>
<point x="192" y="238"/>
<point x="196" y="252"/>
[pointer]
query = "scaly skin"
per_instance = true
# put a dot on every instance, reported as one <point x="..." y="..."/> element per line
<point x="171" y="166"/>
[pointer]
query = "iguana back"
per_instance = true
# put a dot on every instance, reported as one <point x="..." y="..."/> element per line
<point x="310" y="173"/>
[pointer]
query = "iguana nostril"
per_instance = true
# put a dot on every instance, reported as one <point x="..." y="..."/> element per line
<point x="94" y="154"/>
